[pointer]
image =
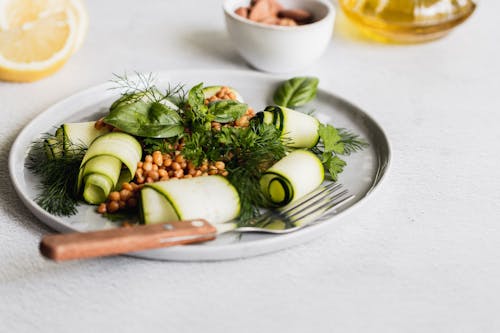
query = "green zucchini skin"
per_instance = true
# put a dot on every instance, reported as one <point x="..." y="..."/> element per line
<point x="298" y="173"/>
<point x="298" y="129"/>
<point x="101" y="167"/>
<point x="212" y="197"/>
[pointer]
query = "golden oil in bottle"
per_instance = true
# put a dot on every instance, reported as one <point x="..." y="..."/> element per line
<point x="407" y="21"/>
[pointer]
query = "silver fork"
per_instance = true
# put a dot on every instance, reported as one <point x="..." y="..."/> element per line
<point x="312" y="208"/>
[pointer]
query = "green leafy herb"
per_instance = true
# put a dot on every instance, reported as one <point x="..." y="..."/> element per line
<point x="165" y="145"/>
<point x="255" y="149"/>
<point x="58" y="176"/>
<point x="331" y="139"/>
<point x="225" y="111"/>
<point x="333" y="164"/>
<point x="146" y="119"/>
<point x="351" y="141"/>
<point x="142" y="88"/>
<point x="296" y="91"/>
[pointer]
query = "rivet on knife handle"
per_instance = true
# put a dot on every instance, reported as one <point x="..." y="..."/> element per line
<point x="108" y="242"/>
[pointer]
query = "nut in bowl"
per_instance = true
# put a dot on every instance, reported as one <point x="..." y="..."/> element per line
<point x="279" y="39"/>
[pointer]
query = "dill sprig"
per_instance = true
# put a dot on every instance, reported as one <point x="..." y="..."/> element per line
<point x="352" y="142"/>
<point x="58" y="177"/>
<point x="142" y="87"/>
<point x="255" y="149"/>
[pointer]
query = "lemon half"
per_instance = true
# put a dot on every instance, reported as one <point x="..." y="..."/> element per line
<point x="37" y="37"/>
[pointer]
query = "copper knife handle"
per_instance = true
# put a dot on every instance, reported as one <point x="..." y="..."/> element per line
<point x="80" y="245"/>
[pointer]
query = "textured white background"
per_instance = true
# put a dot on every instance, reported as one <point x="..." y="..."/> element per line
<point x="423" y="255"/>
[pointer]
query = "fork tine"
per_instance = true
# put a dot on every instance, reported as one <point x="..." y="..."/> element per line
<point x="331" y="194"/>
<point x="321" y="214"/>
<point x="329" y="202"/>
<point x="311" y="196"/>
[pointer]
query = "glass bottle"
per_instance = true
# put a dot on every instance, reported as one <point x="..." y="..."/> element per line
<point x="407" y="20"/>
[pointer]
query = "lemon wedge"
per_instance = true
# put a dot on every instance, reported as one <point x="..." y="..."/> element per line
<point x="37" y="37"/>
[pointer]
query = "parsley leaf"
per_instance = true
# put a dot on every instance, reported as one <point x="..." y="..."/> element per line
<point x="331" y="139"/>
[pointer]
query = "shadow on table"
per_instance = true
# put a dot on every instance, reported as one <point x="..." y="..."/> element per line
<point x="214" y="44"/>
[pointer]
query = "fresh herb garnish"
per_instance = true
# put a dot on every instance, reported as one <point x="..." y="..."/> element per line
<point x="335" y="142"/>
<point x="225" y="111"/>
<point x="296" y="91"/>
<point x="146" y="119"/>
<point x="58" y="176"/>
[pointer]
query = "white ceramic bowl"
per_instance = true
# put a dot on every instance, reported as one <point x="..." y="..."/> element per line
<point x="279" y="49"/>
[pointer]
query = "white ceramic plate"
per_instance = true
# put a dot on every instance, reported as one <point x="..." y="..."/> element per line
<point x="361" y="176"/>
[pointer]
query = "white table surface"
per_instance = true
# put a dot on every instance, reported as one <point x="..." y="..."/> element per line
<point x="422" y="255"/>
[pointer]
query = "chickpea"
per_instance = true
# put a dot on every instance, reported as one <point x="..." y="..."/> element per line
<point x="179" y="158"/>
<point x="148" y="166"/>
<point x="140" y="164"/>
<point x="183" y="165"/>
<point x="220" y="165"/>
<point x="139" y="179"/>
<point x="225" y="173"/>
<point x="113" y="206"/>
<point x="162" y="173"/>
<point x="192" y="172"/>
<point x="139" y="172"/>
<point x="164" y="178"/>
<point x="167" y="162"/>
<point x="198" y="173"/>
<point x="122" y="204"/>
<point x="155" y="167"/>
<point x="148" y="158"/>
<point x="204" y="174"/>
<point x="99" y="124"/>
<point x="166" y="156"/>
<point x="149" y="180"/>
<point x="154" y="175"/>
<point x="102" y="208"/>
<point x="125" y="194"/>
<point x="213" y="172"/>
<point x="176" y="166"/>
<point x="188" y="176"/>
<point x="157" y="158"/>
<point x="114" y="196"/>
<point x="179" y="173"/>
<point x="127" y="186"/>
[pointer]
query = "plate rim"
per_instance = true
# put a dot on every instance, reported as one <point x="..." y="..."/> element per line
<point x="185" y="253"/>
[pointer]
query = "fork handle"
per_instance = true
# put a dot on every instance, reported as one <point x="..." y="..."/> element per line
<point x="80" y="245"/>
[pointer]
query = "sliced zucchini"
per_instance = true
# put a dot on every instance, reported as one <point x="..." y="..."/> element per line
<point x="298" y="129"/>
<point x="53" y="149"/>
<point x="97" y="188"/>
<point x="212" y="198"/>
<point x="292" y="177"/>
<point x="212" y="90"/>
<point x="101" y="169"/>
<point x="80" y="134"/>
<point x="107" y="165"/>
<point x="120" y="145"/>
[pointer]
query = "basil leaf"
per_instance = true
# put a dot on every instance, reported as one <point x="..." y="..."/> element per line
<point x="296" y="91"/>
<point x="151" y="120"/>
<point x="196" y="99"/>
<point x="331" y="139"/>
<point x="225" y="111"/>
